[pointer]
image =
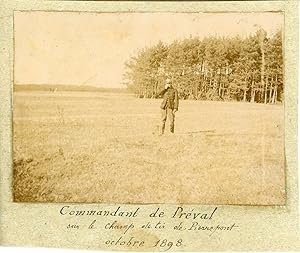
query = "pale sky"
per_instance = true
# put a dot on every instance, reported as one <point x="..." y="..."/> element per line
<point x="91" y="48"/>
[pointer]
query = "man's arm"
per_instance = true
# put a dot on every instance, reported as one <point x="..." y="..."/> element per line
<point x="176" y="101"/>
<point x="167" y="86"/>
<point x="161" y="93"/>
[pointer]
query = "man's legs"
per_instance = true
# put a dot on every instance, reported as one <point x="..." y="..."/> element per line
<point x="171" y="117"/>
<point x="163" y="121"/>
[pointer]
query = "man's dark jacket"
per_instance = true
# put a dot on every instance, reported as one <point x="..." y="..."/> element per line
<point x="170" y="98"/>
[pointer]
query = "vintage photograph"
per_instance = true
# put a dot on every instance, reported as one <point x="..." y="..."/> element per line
<point x="160" y="107"/>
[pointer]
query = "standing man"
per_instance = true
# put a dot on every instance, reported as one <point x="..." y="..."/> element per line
<point x="168" y="106"/>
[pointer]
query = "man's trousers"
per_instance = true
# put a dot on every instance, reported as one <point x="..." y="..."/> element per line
<point x="167" y="113"/>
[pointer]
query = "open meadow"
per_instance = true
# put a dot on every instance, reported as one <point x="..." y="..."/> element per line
<point x="104" y="147"/>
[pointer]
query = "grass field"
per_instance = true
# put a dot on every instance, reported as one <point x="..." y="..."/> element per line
<point x="104" y="147"/>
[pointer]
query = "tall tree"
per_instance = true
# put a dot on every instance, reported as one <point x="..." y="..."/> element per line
<point x="214" y="68"/>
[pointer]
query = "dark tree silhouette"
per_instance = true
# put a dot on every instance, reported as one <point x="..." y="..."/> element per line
<point x="214" y="68"/>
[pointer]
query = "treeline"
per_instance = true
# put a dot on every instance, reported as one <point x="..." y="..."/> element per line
<point x="214" y="68"/>
<point x="60" y="87"/>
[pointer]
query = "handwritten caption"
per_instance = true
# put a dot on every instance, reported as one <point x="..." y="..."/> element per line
<point x="130" y="229"/>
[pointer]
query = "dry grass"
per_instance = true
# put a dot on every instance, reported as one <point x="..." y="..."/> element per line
<point x="83" y="147"/>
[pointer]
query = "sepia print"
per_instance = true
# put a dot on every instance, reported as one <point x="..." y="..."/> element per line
<point x="149" y="108"/>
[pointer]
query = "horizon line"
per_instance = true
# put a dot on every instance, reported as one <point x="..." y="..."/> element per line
<point x="84" y="85"/>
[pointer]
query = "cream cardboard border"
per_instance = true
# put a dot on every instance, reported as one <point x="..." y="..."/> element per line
<point x="260" y="227"/>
